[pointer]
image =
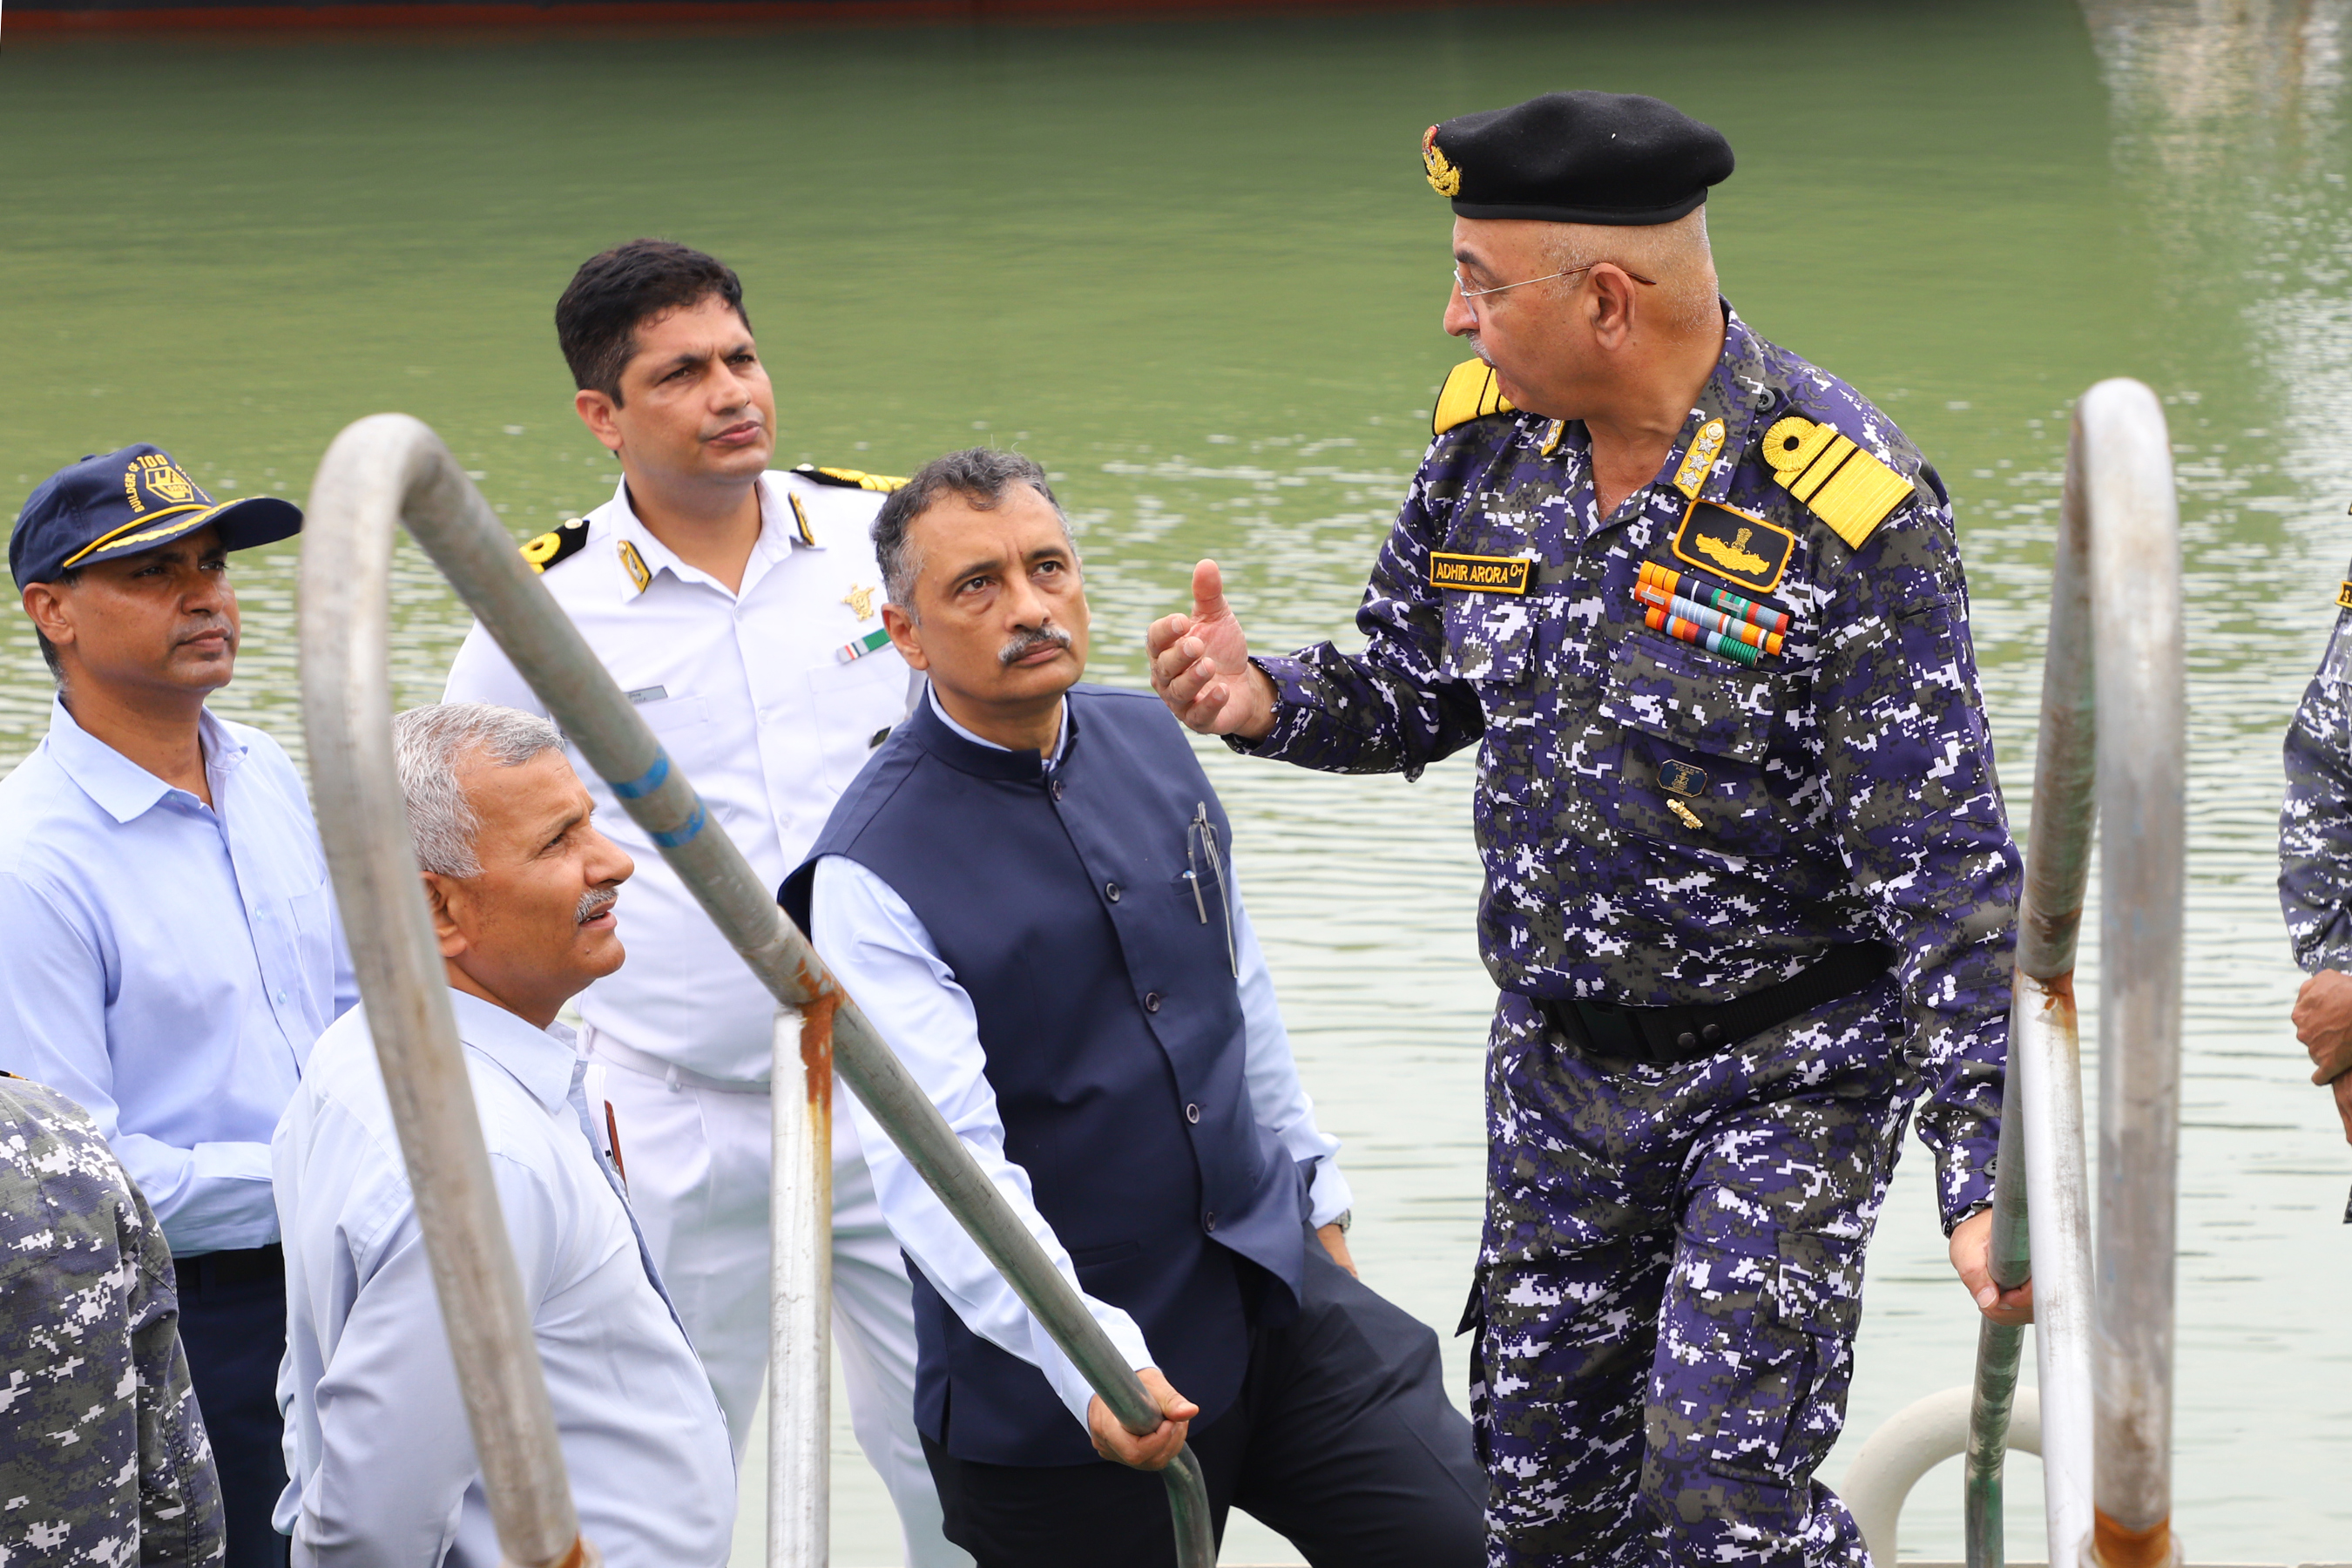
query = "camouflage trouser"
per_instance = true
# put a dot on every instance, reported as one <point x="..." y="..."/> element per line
<point x="1669" y="1285"/>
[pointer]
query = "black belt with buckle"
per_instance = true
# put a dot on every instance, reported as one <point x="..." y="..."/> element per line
<point x="1668" y="1036"/>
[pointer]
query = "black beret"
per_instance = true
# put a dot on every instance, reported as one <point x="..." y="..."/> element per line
<point x="1576" y="157"/>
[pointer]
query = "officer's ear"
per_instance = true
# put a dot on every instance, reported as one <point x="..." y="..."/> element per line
<point x="45" y="608"/>
<point x="438" y="891"/>
<point x="596" y="411"/>
<point x="905" y="636"/>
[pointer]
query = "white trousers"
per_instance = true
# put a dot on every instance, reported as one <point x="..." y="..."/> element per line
<point x="697" y="1159"/>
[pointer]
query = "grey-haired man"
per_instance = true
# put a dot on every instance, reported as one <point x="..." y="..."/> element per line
<point x="522" y="887"/>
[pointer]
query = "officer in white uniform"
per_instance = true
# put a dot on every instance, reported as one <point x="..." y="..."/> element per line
<point x="752" y="642"/>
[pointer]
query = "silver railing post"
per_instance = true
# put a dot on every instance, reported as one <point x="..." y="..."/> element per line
<point x="2142" y="690"/>
<point x="2113" y="649"/>
<point x="390" y="470"/>
<point x="346" y="579"/>
<point x="799" y="1303"/>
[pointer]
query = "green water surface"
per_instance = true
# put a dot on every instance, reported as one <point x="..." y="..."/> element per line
<point x="1195" y="270"/>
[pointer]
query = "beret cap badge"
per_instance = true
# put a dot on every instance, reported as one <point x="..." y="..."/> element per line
<point x="1444" y="177"/>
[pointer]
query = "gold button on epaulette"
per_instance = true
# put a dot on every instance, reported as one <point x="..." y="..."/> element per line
<point x="1469" y="392"/>
<point x="850" y="479"/>
<point x="1846" y="486"/>
<point x="545" y="550"/>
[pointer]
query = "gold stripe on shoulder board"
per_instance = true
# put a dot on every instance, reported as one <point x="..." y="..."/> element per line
<point x="1469" y="392"/>
<point x="1846" y="486"/>
<point x="2344" y="595"/>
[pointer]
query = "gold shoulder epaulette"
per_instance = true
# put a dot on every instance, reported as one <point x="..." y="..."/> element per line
<point x="1469" y="392"/>
<point x="850" y="479"/>
<point x="556" y="544"/>
<point x="1846" y="487"/>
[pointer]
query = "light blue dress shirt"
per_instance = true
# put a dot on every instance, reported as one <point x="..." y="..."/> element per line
<point x="166" y="964"/>
<point x="383" y="1466"/>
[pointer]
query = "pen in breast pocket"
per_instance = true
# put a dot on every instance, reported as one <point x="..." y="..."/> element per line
<point x="1204" y="832"/>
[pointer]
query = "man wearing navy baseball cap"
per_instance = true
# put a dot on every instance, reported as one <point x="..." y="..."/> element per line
<point x="169" y="947"/>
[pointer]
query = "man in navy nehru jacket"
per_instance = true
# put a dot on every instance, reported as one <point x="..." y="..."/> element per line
<point x="1030" y="890"/>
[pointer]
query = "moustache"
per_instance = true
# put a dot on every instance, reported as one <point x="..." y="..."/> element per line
<point x="595" y="902"/>
<point x="1031" y="639"/>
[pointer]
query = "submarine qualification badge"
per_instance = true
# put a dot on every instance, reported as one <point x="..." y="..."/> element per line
<point x="1744" y="550"/>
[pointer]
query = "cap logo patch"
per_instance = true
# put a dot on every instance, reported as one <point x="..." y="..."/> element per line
<point x="1744" y="550"/>
<point x="1444" y="177"/>
<point x="160" y="481"/>
<point x="1478" y="573"/>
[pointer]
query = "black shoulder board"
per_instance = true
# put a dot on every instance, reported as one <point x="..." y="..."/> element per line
<point x="850" y="479"/>
<point x="557" y="544"/>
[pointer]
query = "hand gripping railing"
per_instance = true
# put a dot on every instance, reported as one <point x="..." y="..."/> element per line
<point x="390" y="470"/>
<point x="2112" y="743"/>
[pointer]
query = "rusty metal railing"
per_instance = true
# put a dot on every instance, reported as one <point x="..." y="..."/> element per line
<point x="390" y="470"/>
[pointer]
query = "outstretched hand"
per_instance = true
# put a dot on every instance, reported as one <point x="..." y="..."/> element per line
<point x="1200" y="667"/>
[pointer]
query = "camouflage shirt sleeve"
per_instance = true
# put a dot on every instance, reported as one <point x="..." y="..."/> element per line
<point x="1395" y="708"/>
<point x="103" y="1457"/>
<point x="2316" y="820"/>
<point x="1921" y="829"/>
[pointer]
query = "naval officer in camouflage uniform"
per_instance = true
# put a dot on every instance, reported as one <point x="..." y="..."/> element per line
<point x="1750" y="889"/>
<point x="2316" y="862"/>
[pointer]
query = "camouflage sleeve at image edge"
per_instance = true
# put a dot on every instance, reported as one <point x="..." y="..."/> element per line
<point x="2315" y="818"/>
<point x="103" y="1457"/>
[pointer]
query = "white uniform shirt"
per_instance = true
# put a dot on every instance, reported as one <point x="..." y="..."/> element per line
<point x="383" y="1466"/>
<point x="880" y="950"/>
<point x="751" y="695"/>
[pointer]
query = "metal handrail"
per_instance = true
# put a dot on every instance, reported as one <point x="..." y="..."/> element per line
<point x="2113" y="649"/>
<point x="390" y="470"/>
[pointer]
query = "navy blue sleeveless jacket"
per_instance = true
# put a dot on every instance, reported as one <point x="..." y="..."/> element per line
<point x="1113" y="1033"/>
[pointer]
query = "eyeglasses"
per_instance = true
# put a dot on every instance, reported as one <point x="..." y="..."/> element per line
<point x="1463" y="288"/>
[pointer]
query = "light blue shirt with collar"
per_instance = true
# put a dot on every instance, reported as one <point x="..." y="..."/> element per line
<point x="382" y="1467"/>
<point x="166" y="964"/>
